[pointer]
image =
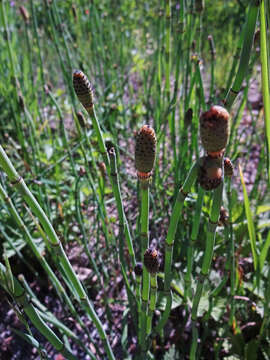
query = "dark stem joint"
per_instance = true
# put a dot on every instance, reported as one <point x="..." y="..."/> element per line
<point x="168" y="246"/>
<point x="7" y="199"/>
<point x="183" y="192"/>
<point x="234" y="91"/>
<point x="167" y="292"/>
<point x="16" y="181"/>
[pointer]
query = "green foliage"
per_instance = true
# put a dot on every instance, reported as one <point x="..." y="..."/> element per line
<point x="143" y="68"/>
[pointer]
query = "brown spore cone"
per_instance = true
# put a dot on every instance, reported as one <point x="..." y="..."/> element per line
<point x="145" y="151"/>
<point x="83" y="89"/>
<point x="223" y="217"/>
<point x="151" y="260"/>
<point x="138" y="269"/>
<point x="214" y="129"/>
<point x="210" y="173"/>
<point x="228" y="167"/>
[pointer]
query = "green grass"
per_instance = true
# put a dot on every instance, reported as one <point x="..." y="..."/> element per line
<point x="64" y="184"/>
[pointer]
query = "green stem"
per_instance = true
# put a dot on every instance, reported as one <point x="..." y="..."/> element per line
<point x="177" y="210"/>
<point x="245" y="54"/>
<point x="146" y="276"/>
<point x="122" y="217"/>
<point x="20" y="296"/>
<point x="265" y="65"/>
<point x="113" y="175"/>
<point x="153" y="299"/>
<point x="19" y="183"/>
<point x="207" y="259"/>
<point x="10" y="53"/>
<point x="193" y="238"/>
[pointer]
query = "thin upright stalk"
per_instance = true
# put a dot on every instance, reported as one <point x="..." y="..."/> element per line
<point x="20" y="297"/>
<point x="213" y="61"/>
<point x="265" y="66"/>
<point x="144" y="245"/>
<point x="152" y="304"/>
<point x="176" y="213"/>
<point x="29" y="240"/>
<point x="115" y="185"/>
<point x="49" y="317"/>
<point x="18" y="182"/>
<point x="7" y="34"/>
<point x="193" y="238"/>
<point x="245" y="53"/>
<point x="207" y="259"/>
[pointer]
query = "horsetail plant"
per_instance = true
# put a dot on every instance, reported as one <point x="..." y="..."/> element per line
<point x="169" y="243"/>
<point x="84" y="92"/>
<point x="18" y="293"/>
<point x="55" y="244"/>
<point x="151" y="262"/>
<point x="214" y="132"/>
<point x="249" y="31"/>
<point x="56" y="283"/>
<point x="178" y="25"/>
<point x="145" y="153"/>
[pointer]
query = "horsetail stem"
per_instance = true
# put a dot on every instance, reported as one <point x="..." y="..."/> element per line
<point x="18" y="293"/>
<point x="207" y="259"/>
<point x="138" y="270"/>
<point x="84" y="91"/>
<point x="177" y="209"/>
<point x="145" y="152"/>
<point x="248" y="35"/>
<point x="58" y="286"/>
<point x="18" y="182"/>
<point x="151" y="262"/>
<point x="193" y="238"/>
<point x="213" y="59"/>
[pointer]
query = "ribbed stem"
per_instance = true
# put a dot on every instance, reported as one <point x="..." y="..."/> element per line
<point x="176" y="213"/>
<point x="144" y="245"/>
<point x="19" y="183"/>
<point x="207" y="259"/>
<point x="245" y="54"/>
<point x="122" y="217"/>
<point x="111" y="168"/>
<point x="193" y="238"/>
<point x="59" y="288"/>
<point x="153" y="299"/>
<point x="265" y="65"/>
<point x="21" y="297"/>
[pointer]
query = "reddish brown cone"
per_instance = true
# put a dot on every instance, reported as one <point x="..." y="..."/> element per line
<point x="214" y="130"/>
<point x="145" y="152"/>
<point x="83" y="89"/>
<point x="151" y="260"/>
<point x="228" y="167"/>
<point x="210" y="173"/>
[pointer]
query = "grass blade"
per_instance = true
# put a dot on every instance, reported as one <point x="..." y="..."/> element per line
<point x="265" y="79"/>
<point x="251" y="228"/>
<point x="264" y="250"/>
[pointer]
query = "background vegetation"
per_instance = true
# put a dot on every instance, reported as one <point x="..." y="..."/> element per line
<point x="144" y="69"/>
